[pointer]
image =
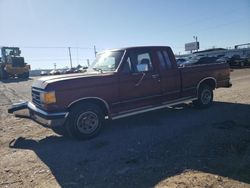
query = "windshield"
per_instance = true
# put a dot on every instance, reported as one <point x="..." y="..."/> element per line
<point x="107" y="61"/>
<point x="11" y="51"/>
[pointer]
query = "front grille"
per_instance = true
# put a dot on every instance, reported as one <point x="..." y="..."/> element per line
<point x="36" y="97"/>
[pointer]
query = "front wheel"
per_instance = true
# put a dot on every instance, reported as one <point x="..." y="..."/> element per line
<point x="24" y="75"/>
<point x="3" y="74"/>
<point x="85" y="121"/>
<point x="242" y="64"/>
<point x="205" y="97"/>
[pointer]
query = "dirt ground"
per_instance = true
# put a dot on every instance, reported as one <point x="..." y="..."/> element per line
<point x="174" y="147"/>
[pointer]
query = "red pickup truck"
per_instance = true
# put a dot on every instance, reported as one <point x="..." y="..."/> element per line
<point x="120" y="83"/>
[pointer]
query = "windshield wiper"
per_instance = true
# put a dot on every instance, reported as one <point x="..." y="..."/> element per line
<point x="98" y="69"/>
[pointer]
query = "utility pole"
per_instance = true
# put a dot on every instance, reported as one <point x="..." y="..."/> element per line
<point x="77" y="56"/>
<point x="70" y="57"/>
<point x="88" y="62"/>
<point x="95" y="51"/>
<point x="196" y="40"/>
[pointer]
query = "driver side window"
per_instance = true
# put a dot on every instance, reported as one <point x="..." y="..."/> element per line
<point x="138" y="62"/>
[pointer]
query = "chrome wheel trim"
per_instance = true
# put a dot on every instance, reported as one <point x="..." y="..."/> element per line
<point x="87" y="122"/>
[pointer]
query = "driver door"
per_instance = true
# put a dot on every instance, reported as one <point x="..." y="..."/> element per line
<point x="139" y="82"/>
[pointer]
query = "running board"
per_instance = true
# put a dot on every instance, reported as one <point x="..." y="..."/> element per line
<point x="169" y="104"/>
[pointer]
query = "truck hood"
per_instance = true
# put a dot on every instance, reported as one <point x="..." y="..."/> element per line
<point x="66" y="80"/>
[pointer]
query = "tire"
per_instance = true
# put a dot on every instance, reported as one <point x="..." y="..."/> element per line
<point x="24" y="75"/>
<point x="242" y="64"/>
<point x="3" y="75"/>
<point x="27" y="75"/>
<point x="205" y="96"/>
<point x="85" y="121"/>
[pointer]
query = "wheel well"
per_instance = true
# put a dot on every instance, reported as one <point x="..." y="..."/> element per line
<point x="102" y="104"/>
<point x="210" y="82"/>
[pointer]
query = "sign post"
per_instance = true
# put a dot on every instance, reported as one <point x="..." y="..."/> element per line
<point x="192" y="46"/>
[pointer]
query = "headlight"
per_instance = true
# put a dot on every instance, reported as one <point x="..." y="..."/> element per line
<point x="48" y="97"/>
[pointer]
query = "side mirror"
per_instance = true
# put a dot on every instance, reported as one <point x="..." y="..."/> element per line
<point x="142" y="67"/>
<point x="182" y="65"/>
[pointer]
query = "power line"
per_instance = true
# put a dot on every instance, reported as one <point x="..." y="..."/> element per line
<point x="55" y="47"/>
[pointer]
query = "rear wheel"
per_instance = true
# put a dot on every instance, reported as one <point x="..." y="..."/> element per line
<point x="3" y="74"/>
<point x="205" y="97"/>
<point x="85" y="121"/>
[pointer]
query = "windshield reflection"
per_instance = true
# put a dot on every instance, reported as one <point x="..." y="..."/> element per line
<point x="107" y="61"/>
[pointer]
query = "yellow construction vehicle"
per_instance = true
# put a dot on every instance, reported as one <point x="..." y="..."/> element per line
<point x="12" y="64"/>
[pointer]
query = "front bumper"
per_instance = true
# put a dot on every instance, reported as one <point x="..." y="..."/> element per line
<point x="29" y="110"/>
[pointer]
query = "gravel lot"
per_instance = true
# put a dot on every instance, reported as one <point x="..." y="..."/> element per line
<point x="174" y="147"/>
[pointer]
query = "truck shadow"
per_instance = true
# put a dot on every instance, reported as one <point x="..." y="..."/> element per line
<point x="237" y="67"/>
<point x="143" y="150"/>
<point x="15" y="80"/>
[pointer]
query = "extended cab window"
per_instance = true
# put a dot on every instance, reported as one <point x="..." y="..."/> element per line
<point x="167" y="59"/>
<point x="138" y="62"/>
<point x="161" y="59"/>
<point x="164" y="59"/>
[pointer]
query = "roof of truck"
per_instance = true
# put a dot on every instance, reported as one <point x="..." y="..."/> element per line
<point x="136" y="47"/>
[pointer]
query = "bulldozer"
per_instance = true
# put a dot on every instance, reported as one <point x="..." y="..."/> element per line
<point x="12" y="65"/>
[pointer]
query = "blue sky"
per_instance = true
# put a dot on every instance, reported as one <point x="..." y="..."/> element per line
<point x="32" y="24"/>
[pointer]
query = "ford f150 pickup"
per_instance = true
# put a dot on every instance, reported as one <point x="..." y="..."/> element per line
<point x="120" y="83"/>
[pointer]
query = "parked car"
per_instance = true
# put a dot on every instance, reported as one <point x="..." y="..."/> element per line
<point x="120" y="83"/>
<point x="181" y="61"/>
<point x="71" y="70"/>
<point x="55" y="72"/>
<point x="239" y="61"/>
<point x="82" y="69"/>
<point x="44" y="73"/>
<point x="201" y="60"/>
<point x="76" y="70"/>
